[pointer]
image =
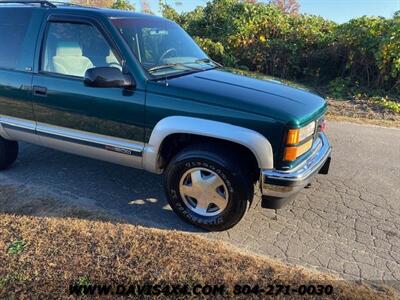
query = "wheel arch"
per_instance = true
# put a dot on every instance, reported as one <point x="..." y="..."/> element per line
<point x="259" y="145"/>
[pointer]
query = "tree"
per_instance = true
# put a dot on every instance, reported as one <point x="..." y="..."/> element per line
<point x="168" y="12"/>
<point x="123" y="5"/>
<point x="146" y="7"/>
<point x="95" y="3"/>
<point x="291" y="7"/>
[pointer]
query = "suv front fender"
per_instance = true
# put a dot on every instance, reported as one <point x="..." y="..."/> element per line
<point x="254" y="141"/>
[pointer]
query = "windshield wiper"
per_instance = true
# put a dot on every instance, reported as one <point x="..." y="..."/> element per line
<point x="167" y="66"/>
<point x="209" y="60"/>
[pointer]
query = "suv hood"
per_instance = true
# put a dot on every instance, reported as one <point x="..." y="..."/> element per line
<point x="271" y="98"/>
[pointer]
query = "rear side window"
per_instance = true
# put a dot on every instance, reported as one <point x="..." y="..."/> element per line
<point x="14" y="24"/>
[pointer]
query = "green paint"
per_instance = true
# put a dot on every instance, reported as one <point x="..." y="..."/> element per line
<point x="229" y="96"/>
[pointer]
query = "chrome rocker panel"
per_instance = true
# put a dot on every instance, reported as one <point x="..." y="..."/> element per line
<point x="283" y="184"/>
<point x="115" y="150"/>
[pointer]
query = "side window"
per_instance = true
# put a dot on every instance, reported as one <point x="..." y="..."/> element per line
<point x="71" y="49"/>
<point x="13" y="28"/>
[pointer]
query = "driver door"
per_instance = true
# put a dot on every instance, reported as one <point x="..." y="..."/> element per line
<point x="105" y="123"/>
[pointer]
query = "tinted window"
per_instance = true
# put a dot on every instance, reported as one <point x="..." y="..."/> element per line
<point x="159" y="42"/>
<point x="71" y="49"/>
<point x="13" y="27"/>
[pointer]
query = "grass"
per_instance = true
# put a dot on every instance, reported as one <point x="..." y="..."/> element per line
<point x="62" y="251"/>
<point x="16" y="247"/>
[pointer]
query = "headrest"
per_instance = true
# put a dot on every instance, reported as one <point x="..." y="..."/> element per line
<point x="68" y="49"/>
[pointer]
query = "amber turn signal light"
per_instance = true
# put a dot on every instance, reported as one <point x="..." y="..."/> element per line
<point x="292" y="153"/>
<point x="293" y="136"/>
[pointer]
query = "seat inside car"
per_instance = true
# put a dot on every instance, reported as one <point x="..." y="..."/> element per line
<point x="112" y="61"/>
<point x="69" y="59"/>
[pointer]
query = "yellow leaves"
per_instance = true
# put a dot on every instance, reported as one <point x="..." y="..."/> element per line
<point x="259" y="36"/>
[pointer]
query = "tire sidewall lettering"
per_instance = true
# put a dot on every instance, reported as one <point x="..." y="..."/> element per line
<point x="235" y="209"/>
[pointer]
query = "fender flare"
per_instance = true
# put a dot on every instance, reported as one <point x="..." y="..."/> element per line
<point x="254" y="141"/>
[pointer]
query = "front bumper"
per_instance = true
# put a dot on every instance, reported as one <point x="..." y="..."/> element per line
<point x="279" y="185"/>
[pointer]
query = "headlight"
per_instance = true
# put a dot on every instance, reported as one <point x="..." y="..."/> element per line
<point x="297" y="141"/>
<point x="296" y="136"/>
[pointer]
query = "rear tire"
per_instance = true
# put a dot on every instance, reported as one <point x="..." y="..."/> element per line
<point x="206" y="186"/>
<point x="8" y="153"/>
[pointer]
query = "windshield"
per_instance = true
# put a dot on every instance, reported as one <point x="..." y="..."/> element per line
<point x="162" y="47"/>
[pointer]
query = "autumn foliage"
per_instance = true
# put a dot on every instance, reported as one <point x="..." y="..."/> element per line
<point x="274" y="39"/>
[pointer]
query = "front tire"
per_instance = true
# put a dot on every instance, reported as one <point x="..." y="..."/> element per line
<point x="8" y="153"/>
<point x="207" y="187"/>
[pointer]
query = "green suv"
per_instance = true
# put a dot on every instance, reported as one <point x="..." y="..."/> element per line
<point x="136" y="90"/>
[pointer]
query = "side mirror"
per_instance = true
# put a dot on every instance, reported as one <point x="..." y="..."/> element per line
<point x="108" y="77"/>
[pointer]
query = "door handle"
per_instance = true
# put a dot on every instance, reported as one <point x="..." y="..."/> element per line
<point x="40" y="91"/>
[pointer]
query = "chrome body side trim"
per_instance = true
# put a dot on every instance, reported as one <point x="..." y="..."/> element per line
<point x="3" y="133"/>
<point x="18" y="129"/>
<point x="257" y="143"/>
<point x="83" y="149"/>
<point x="278" y="183"/>
<point x="111" y="149"/>
<point x="90" y="139"/>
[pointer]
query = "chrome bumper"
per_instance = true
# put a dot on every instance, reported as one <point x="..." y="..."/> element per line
<point x="282" y="184"/>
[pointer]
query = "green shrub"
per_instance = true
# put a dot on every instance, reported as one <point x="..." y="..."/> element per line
<point x="341" y="88"/>
<point x="259" y="37"/>
<point x="214" y="49"/>
<point x="388" y="103"/>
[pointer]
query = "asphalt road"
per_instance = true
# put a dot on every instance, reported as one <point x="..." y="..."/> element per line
<point x="348" y="222"/>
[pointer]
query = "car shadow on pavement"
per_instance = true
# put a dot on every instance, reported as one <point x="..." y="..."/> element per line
<point x="44" y="182"/>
